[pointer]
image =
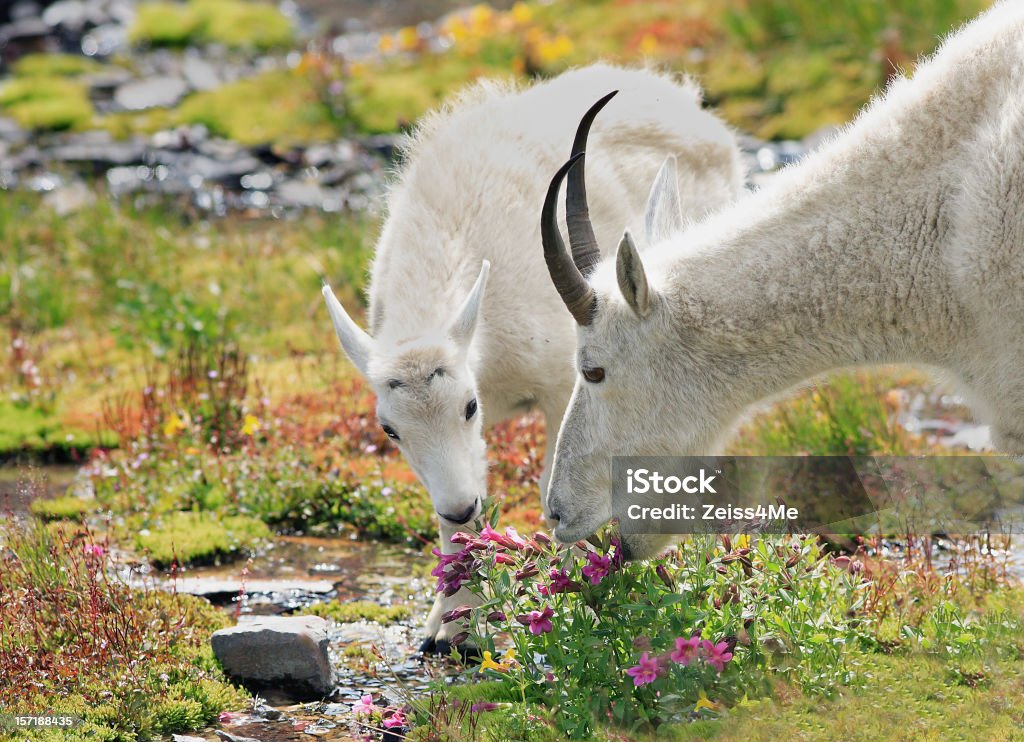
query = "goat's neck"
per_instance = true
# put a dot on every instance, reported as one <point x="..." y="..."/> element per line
<point x="833" y="270"/>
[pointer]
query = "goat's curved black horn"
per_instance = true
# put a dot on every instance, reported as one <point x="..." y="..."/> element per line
<point x="571" y="284"/>
<point x="585" y="251"/>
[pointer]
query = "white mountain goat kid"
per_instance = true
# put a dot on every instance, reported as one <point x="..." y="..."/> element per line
<point x="901" y="241"/>
<point x="442" y="354"/>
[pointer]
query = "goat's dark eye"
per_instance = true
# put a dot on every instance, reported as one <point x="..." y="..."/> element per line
<point x="470" y="409"/>
<point x="593" y="374"/>
<point x="390" y="432"/>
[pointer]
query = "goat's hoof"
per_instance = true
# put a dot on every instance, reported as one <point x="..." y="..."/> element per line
<point x="443" y="648"/>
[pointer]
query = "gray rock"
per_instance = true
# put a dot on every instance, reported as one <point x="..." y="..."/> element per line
<point x="153" y="92"/>
<point x="215" y="587"/>
<point x="99" y="147"/>
<point x="186" y="738"/>
<point x="10" y="132"/>
<point x="70" y="198"/>
<point x="289" y="652"/>
<point x="309" y="194"/>
<point x="199" y="74"/>
<point x="104" y="40"/>
<point x="228" y="737"/>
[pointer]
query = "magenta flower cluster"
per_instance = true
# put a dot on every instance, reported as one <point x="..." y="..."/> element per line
<point x="454" y="570"/>
<point x="686" y="652"/>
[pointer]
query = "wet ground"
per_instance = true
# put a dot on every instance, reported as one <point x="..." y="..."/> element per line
<point x="295" y="572"/>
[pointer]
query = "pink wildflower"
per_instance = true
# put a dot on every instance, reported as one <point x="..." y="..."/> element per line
<point x="561" y="582"/>
<point x="716" y="655"/>
<point x="538" y="621"/>
<point x="364" y="706"/>
<point x="686" y="650"/>
<point x="598" y="568"/>
<point x="397" y="719"/>
<point x="646" y="671"/>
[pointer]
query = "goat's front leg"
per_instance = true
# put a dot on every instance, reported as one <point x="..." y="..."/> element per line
<point x="439" y="635"/>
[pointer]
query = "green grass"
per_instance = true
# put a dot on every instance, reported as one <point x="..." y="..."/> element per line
<point x="969" y="691"/>
<point x="359" y="610"/>
<point x="234" y="23"/>
<point x="133" y="664"/>
<point x="186" y="537"/>
<point x="843" y="415"/>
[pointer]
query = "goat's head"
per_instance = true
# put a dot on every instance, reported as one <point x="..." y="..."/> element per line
<point x="624" y="336"/>
<point x="426" y="402"/>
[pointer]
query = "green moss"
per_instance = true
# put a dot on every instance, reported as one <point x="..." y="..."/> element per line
<point x="274" y="107"/>
<point x="55" y="65"/>
<point x="244" y="24"/>
<point x="35" y="432"/>
<point x="165" y="24"/>
<point x="50" y="103"/>
<point x="187" y="537"/>
<point x="230" y="22"/>
<point x="359" y="610"/>
<point x="61" y="508"/>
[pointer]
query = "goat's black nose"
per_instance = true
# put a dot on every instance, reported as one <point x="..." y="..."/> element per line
<point x="554" y="517"/>
<point x="464" y="517"/>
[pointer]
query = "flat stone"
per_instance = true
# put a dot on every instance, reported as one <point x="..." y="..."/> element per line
<point x="199" y="74"/>
<point x="286" y="652"/>
<point x="152" y="92"/>
<point x="208" y="587"/>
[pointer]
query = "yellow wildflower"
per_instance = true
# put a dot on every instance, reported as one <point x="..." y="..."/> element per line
<point x="648" y="45"/>
<point x="509" y="658"/>
<point x="356" y="69"/>
<point x="386" y="44"/>
<point x="250" y="425"/>
<point x="489" y="664"/>
<point x="173" y="426"/>
<point x="192" y="451"/>
<point x="552" y="50"/>
<point x="480" y="16"/>
<point x="742" y="541"/>
<point x="521" y="13"/>
<point x="408" y="39"/>
<point x="455" y="27"/>
<point x="704" y="703"/>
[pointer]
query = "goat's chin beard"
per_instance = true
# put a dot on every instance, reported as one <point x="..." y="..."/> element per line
<point x="638" y="546"/>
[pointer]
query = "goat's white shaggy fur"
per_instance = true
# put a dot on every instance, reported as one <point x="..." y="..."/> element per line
<point x="474" y="177"/>
<point x="901" y="241"/>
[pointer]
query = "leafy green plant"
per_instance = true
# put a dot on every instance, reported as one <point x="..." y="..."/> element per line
<point x="643" y="644"/>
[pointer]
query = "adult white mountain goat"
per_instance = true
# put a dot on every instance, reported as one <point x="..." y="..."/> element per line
<point x="441" y="353"/>
<point x="901" y="241"/>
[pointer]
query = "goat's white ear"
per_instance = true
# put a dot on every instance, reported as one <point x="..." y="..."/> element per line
<point x="632" y="278"/>
<point x="664" y="215"/>
<point x="462" y="328"/>
<point x="354" y="341"/>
